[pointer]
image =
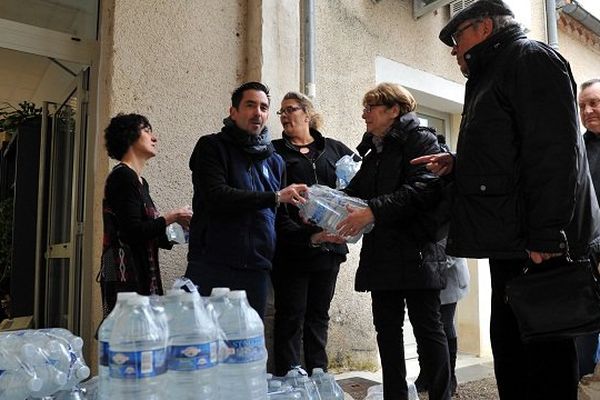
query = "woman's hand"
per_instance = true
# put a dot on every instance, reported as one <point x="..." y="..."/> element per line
<point x="326" y="237"/>
<point x="182" y="216"/>
<point x="356" y="220"/>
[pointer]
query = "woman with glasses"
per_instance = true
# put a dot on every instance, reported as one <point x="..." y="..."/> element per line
<point x="307" y="259"/>
<point x="400" y="262"/>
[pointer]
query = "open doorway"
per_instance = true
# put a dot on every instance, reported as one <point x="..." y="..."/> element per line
<point x="47" y="48"/>
<point x="43" y="143"/>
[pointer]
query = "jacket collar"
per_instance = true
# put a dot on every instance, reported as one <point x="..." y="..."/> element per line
<point x="317" y="136"/>
<point x="482" y="54"/>
<point x="590" y="137"/>
<point x="396" y="135"/>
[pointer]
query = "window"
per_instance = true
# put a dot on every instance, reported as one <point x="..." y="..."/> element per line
<point x="422" y="7"/>
<point x="440" y="121"/>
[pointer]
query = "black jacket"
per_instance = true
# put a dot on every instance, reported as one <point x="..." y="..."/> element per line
<point x="521" y="173"/>
<point x="592" y="147"/>
<point x="394" y="255"/>
<point x="293" y="248"/>
<point x="234" y="203"/>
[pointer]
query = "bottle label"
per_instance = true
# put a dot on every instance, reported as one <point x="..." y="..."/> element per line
<point x="103" y="354"/>
<point x="137" y="364"/>
<point x="193" y="357"/>
<point x="245" y="350"/>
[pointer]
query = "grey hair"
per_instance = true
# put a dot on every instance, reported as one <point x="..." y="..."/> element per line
<point x="589" y="83"/>
<point x="503" y="21"/>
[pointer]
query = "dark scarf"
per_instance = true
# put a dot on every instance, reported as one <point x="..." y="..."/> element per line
<point x="257" y="147"/>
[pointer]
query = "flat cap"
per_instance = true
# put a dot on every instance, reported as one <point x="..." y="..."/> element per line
<point x="481" y="8"/>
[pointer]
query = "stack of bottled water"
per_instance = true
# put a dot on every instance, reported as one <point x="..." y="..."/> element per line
<point x="326" y="208"/>
<point x="216" y="348"/>
<point x="38" y="363"/>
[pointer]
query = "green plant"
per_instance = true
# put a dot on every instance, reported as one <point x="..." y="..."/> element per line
<point x="11" y="117"/>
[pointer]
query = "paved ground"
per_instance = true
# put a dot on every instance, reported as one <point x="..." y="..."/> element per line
<point x="475" y="376"/>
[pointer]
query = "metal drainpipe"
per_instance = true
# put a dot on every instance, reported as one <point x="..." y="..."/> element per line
<point x="310" y="88"/>
<point x="577" y="12"/>
<point x="551" y="25"/>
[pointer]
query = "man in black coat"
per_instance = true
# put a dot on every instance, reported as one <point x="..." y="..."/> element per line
<point x="522" y="185"/>
<point x="589" y="111"/>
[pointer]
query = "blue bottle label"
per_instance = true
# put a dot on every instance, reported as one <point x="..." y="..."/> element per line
<point x="103" y="354"/>
<point x="192" y="357"/>
<point x="245" y="350"/>
<point x="137" y="364"/>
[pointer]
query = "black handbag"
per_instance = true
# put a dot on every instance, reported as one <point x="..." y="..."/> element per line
<point x="557" y="299"/>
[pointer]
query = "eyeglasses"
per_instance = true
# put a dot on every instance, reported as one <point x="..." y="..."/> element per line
<point x="288" y="110"/>
<point x="456" y="35"/>
<point x="369" y="107"/>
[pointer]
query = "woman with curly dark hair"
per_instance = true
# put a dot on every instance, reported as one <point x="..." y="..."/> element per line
<point x="133" y="227"/>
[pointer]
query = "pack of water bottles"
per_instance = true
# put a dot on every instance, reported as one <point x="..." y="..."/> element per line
<point x="327" y="207"/>
<point x="40" y="363"/>
<point x="181" y="346"/>
<point x="296" y="385"/>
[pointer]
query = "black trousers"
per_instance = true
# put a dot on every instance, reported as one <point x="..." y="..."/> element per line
<point x="255" y="282"/>
<point x="302" y="300"/>
<point x="539" y="370"/>
<point x="424" y="313"/>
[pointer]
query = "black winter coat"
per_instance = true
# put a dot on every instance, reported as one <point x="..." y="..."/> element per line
<point x="293" y="247"/>
<point x="394" y="255"/>
<point x="521" y="173"/>
<point x="234" y="203"/>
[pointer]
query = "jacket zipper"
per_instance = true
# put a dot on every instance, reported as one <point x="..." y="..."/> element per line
<point x="313" y="163"/>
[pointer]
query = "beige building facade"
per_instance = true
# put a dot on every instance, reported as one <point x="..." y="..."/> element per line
<point x="177" y="63"/>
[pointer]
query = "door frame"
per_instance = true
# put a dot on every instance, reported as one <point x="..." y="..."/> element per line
<point x="47" y="43"/>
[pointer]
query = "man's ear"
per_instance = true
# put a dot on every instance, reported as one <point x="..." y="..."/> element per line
<point x="232" y="112"/>
<point x="487" y="26"/>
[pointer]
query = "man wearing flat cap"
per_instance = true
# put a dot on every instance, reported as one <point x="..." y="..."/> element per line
<point x="522" y="184"/>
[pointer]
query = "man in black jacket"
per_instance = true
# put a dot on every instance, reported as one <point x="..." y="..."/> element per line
<point x="238" y="184"/>
<point x="522" y="185"/>
<point x="589" y="111"/>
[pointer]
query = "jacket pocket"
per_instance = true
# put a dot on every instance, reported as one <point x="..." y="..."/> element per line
<point x="486" y="185"/>
<point x="487" y="212"/>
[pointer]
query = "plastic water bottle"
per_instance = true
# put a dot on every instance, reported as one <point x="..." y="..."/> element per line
<point x="192" y="359"/>
<point x="137" y="354"/>
<point x="298" y="379"/>
<point x="327" y="207"/>
<point x="243" y="372"/>
<point x="52" y="378"/>
<point x="74" y="341"/>
<point x="326" y="384"/>
<point x="345" y="169"/>
<point x="104" y="333"/>
<point x="17" y="385"/>
<point x="280" y="391"/>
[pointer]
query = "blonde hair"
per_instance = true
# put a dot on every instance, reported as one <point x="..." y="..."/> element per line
<point x="389" y="94"/>
<point x="315" y="119"/>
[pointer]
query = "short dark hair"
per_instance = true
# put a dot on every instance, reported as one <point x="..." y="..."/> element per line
<point x="589" y="83"/>
<point x="238" y="94"/>
<point x="122" y="131"/>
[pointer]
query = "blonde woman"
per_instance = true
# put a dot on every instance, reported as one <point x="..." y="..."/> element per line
<point x="307" y="260"/>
